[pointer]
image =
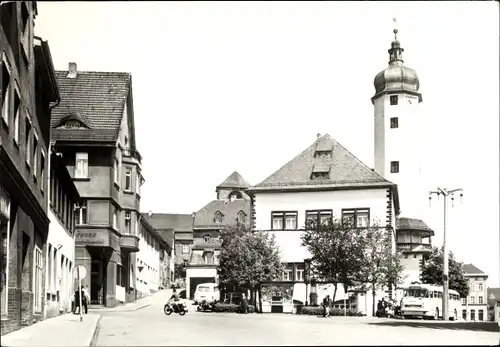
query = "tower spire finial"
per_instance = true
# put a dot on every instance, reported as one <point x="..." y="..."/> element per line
<point x="395" y="28"/>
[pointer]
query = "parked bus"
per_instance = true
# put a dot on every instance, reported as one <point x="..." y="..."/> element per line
<point x="426" y="301"/>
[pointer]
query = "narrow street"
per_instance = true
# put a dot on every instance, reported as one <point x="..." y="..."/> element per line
<point x="151" y="327"/>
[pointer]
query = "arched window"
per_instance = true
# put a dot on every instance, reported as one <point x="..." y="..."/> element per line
<point x="242" y="217"/>
<point x="218" y="217"/>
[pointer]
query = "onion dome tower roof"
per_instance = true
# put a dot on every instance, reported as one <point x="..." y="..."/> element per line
<point x="396" y="78"/>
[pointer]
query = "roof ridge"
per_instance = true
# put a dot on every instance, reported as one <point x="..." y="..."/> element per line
<point x="95" y="71"/>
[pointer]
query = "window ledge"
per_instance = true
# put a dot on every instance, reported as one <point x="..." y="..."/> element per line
<point x="128" y="191"/>
<point x="81" y="179"/>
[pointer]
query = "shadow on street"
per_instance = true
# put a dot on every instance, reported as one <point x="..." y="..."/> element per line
<point x="473" y="326"/>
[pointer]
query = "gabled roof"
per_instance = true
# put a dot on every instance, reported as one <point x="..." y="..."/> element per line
<point x="345" y="170"/>
<point x="205" y="217"/>
<point x="175" y="222"/>
<point x="235" y="180"/>
<point x="98" y="97"/>
<point x="470" y="269"/>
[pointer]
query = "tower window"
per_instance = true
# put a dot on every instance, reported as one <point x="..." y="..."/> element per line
<point x="394" y="99"/>
<point x="394" y="166"/>
<point x="394" y="122"/>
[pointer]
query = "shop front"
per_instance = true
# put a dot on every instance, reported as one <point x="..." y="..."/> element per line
<point x="99" y="251"/>
<point x="282" y="297"/>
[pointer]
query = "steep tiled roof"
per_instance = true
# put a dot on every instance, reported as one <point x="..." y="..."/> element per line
<point x="344" y="170"/>
<point x="98" y="97"/>
<point x="176" y="222"/>
<point x="235" y="180"/>
<point x="205" y="217"/>
<point x="404" y="223"/>
<point x="471" y="269"/>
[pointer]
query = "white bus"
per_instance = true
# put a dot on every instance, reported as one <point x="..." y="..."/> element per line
<point x="426" y="301"/>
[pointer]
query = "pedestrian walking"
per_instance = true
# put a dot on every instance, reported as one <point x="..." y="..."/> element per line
<point x="326" y="306"/>
<point x="244" y="304"/>
<point x="85" y="298"/>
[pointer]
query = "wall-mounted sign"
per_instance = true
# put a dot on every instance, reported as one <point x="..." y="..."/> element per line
<point x="92" y="238"/>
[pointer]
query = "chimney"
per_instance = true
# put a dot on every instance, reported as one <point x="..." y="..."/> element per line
<point x="71" y="70"/>
<point x="318" y="135"/>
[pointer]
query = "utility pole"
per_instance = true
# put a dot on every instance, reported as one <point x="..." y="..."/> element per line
<point x="446" y="193"/>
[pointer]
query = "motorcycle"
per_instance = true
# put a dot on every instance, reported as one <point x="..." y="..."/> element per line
<point x="179" y="308"/>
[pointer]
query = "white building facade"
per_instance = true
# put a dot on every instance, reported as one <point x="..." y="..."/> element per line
<point x="398" y="155"/>
<point x="475" y="306"/>
<point x="324" y="181"/>
<point x="60" y="256"/>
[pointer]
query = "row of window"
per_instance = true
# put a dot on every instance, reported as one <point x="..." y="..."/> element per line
<point x="480" y="317"/>
<point x="82" y="171"/>
<point x="288" y="220"/>
<point x="11" y="108"/>
<point x="241" y="217"/>
<point x="61" y="203"/>
<point x="472" y="300"/>
<point x="290" y="275"/>
<point x="81" y="214"/>
<point x="476" y="287"/>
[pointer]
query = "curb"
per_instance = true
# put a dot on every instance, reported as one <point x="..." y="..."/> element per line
<point x="95" y="335"/>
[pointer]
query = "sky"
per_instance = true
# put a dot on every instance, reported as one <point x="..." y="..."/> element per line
<point x="246" y="86"/>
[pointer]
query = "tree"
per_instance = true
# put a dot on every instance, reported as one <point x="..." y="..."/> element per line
<point x="381" y="266"/>
<point x="431" y="271"/>
<point x="248" y="258"/>
<point x="337" y="252"/>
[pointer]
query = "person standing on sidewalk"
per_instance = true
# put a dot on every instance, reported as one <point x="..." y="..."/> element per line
<point x="244" y="304"/>
<point x="326" y="306"/>
<point x="85" y="298"/>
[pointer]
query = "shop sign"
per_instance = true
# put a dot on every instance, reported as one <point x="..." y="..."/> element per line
<point x="92" y="238"/>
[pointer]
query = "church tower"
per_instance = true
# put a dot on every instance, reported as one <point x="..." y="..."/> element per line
<point x="398" y="153"/>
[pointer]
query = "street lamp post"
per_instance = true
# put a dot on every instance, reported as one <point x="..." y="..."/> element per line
<point x="446" y="193"/>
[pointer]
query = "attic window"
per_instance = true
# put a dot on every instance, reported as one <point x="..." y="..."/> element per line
<point x="73" y="124"/>
<point x="320" y="171"/>
<point x="323" y="153"/>
<point x="218" y="217"/>
<point x="242" y="217"/>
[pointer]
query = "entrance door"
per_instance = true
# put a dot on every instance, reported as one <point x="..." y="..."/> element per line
<point x="194" y="281"/>
<point x="96" y="283"/>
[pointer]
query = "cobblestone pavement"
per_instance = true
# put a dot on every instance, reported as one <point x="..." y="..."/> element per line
<point x="151" y="327"/>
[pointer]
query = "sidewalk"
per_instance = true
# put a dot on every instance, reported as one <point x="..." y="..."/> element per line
<point x="65" y="330"/>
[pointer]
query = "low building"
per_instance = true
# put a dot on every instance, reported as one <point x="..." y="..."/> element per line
<point x="232" y="206"/>
<point x="475" y="306"/>
<point x="493" y="304"/>
<point x="148" y="279"/>
<point x="323" y="182"/>
<point x="162" y="224"/>
<point x="28" y="90"/>
<point x="60" y="255"/>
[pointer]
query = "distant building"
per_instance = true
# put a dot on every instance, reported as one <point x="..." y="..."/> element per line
<point x="322" y="183"/>
<point x="493" y="304"/>
<point x="163" y="226"/>
<point x="93" y="128"/>
<point x="232" y="206"/>
<point x="475" y="306"/>
<point x="60" y="259"/>
<point x="150" y="260"/>
<point x="28" y="91"/>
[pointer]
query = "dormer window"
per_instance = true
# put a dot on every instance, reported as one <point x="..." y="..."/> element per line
<point x="242" y="217"/>
<point x="323" y="154"/>
<point x="72" y="121"/>
<point x="72" y="124"/>
<point x="218" y="217"/>
<point x="320" y="171"/>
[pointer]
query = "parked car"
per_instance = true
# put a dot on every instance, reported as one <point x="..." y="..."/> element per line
<point x="208" y="292"/>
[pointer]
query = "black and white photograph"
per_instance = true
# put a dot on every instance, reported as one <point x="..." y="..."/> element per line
<point x="252" y="173"/>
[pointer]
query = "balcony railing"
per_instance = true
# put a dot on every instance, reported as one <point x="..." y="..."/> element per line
<point x="128" y="152"/>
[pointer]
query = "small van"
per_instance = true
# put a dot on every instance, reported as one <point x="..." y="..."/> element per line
<point x="208" y="292"/>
